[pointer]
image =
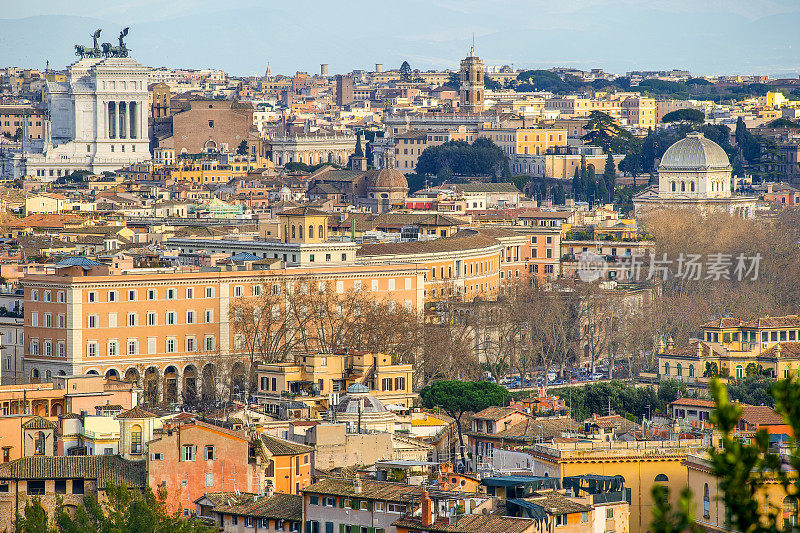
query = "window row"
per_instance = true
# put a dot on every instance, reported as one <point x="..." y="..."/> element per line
<point x="171" y="345"/>
<point x="151" y="319"/>
<point x="47" y="296"/>
<point x="46" y="347"/>
<point x="47" y="320"/>
<point x="150" y="294"/>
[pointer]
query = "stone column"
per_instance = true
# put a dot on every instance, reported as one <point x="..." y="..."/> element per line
<point x="123" y="120"/>
<point x="112" y="120"/>
<point x="134" y="126"/>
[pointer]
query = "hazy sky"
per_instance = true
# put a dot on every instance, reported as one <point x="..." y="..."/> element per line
<point x="243" y="36"/>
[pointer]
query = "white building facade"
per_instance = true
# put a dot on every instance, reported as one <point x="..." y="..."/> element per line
<point x="98" y="121"/>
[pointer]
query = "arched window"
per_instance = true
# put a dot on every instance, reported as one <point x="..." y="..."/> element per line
<point x="706" y="502"/>
<point x="691" y="371"/>
<point x="661" y="478"/>
<point x="310" y="231"/>
<point x="293" y="232"/>
<point x="38" y="443"/>
<point x="666" y="368"/>
<point x="673" y="186"/>
<point x="300" y="231"/>
<point x="739" y="372"/>
<point x="692" y="186"/>
<point x="320" y="234"/>
<point x="136" y="438"/>
<point x="789" y="512"/>
<point x="679" y="370"/>
<point x="683" y="186"/>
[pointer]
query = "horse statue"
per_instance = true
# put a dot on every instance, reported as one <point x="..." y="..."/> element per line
<point x="108" y="50"/>
<point x="83" y="51"/>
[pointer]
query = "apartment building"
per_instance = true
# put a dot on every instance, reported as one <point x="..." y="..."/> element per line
<point x="313" y="378"/>
<point x="521" y="141"/>
<point x="165" y="328"/>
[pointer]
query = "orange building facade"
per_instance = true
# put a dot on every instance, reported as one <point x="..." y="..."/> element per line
<point x="165" y="330"/>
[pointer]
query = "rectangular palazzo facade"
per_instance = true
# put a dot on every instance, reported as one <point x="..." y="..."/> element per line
<point x="169" y="326"/>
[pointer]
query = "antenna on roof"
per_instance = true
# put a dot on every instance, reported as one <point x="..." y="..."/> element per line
<point x="472" y="48"/>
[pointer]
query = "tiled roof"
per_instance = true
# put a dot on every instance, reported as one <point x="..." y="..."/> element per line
<point x="471" y="523"/>
<point x="760" y="415"/>
<point x="725" y="322"/>
<point x="278" y="506"/>
<point x="546" y="214"/>
<point x="103" y="468"/>
<point x="557" y="503"/>
<point x="447" y="244"/>
<point x="787" y="350"/>
<point x="374" y="490"/>
<point x="136" y="412"/>
<point x="789" y="321"/>
<point x="495" y="413"/>
<point x="693" y="402"/>
<point x="277" y="446"/>
<point x="304" y="211"/>
<point x="38" y="422"/>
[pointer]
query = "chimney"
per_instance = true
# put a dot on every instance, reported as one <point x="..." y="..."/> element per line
<point x="427" y="509"/>
<point x="357" y="485"/>
<point x="670" y="343"/>
<point x="778" y="350"/>
<point x="269" y="490"/>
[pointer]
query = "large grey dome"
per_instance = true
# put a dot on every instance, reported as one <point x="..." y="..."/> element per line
<point x="695" y="152"/>
<point x="349" y="404"/>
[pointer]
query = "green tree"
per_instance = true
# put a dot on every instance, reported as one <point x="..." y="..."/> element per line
<point x="457" y="397"/>
<point x="126" y="511"/>
<point x="577" y="185"/>
<point x="242" y="148"/>
<point x="405" y="71"/>
<point x="558" y="195"/>
<point x="692" y="116"/>
<point x="602" y="130"/>
<point x="602" y="191"/>
<point x="610" y="176"/>
<point x="359" y="152"/>
<point x="34" y="520"/>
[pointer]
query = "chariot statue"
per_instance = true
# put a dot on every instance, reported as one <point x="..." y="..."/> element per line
<point x="106" y="49"/>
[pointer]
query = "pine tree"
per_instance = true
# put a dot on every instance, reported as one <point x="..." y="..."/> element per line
<point x="610" y="176"/>
<point x="590" y="184"/>
<point x="559" y="198"/>
<point x="359" y="151"/>
<point x="577" y="185"/>
<point x="602" y="191"/>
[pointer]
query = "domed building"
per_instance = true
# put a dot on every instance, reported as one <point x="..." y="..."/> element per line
<point x="385" y="187"/>
<point x="359" y="409"/>
<point x="695" y="173"/>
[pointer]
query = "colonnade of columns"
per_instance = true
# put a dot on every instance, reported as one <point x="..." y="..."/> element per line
<point x="123" y="120"/>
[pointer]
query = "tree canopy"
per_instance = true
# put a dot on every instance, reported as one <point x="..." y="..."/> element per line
<point x="684" y="115"/>
<point x="481" y="158"/>
<point x="456" y="397"/>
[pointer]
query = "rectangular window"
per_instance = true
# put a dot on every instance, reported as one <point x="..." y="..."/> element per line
<point x="209" y="292"/>
<point x="189" y="452"/>
<point x="170" y="345"/>
<point x="112" y="348"/>
<point x="132" y="295"/>
<point x="189" y="293"/>
<point x="152" y="318"/>
<point x="132" y="347"/>
<point x="210" y="480"/>
<point x="190" y="346"/>
<point x="209" y="344"/>
<point x="92" y="297"/>
<point x="170" y="318"/>
<point x="112" y="296"/>
<point x="91" y="349"/>
<point x="209" y="316"/>
<point x="91" y="321"/>
<point x="171" y="294"/>
<point x="190" y="317"/>
<point x="211" y="453"/>
<point x="151" y="294"/>
<point x="112" y="320"/>
<point x="132" y="319"/>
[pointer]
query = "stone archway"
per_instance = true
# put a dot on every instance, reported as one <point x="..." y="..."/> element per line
<point x="190" y="384"/>
<point x="238" y="379"/>
<point x="112" y="373"/>
<point x="150" y="385"/>
<point x="170" y="386"/>
<point x="132" y="376"/>
<point x="209" y="386"/>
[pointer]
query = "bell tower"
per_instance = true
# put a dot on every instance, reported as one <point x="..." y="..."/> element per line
<point x="471" y="90"/>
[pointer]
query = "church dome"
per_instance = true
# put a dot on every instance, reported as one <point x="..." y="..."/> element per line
<point x="695" y="152"/>
<point x="349" y="404"/>
<point x="386" y="178"/>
